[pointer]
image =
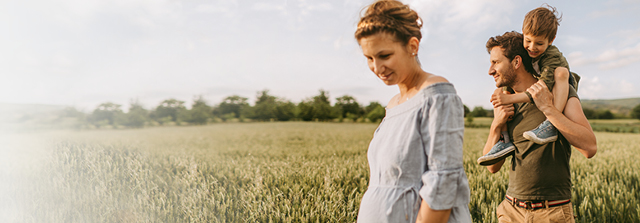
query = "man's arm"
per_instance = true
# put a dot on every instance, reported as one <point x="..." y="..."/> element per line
<point x="573" y="125"/>
<point x="500" y="116"/>
<point x="494" y="136"/>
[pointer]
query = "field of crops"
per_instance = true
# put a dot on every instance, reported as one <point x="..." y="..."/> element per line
<point x="256" y="172"/>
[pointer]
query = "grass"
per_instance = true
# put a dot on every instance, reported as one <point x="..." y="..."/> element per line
<point x="257" y="172"/>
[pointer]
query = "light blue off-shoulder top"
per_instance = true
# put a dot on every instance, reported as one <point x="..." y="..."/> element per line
<point x="415" y="155"/>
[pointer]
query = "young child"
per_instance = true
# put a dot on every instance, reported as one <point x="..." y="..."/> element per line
<point x="539" y="28"/>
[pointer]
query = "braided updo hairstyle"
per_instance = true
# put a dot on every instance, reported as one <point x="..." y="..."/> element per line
<point x="391" y="17"/>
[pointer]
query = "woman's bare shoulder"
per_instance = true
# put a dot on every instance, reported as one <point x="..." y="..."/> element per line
<point x="433" y="79"/>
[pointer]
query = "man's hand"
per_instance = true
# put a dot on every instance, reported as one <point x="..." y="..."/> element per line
<point x="502" y="114"/>
<point x="542" y="97"/>
<point x="500" y="97"/>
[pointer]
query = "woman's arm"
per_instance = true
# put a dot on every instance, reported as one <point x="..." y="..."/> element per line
<point x="573" y="125"/>
<point x="426" y="214"/>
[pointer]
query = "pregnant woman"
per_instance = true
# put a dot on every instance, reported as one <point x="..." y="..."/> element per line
<point x="415" y="156"/>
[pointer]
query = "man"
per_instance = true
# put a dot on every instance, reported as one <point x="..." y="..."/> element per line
<point x="539" y="178"/>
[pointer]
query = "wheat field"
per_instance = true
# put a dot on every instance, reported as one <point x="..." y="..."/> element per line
<point x="256" y="172"/>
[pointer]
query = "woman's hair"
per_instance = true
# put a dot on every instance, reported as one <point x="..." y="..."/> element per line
<point x="391" y="17"/>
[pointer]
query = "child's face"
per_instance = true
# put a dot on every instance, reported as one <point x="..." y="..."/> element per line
<point x="535" y="45"/>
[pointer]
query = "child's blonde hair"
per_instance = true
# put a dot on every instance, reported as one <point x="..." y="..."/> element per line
<point x="542" y="21"/>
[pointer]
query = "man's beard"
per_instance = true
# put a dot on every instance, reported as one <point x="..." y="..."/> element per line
<point x="508" y="78"/>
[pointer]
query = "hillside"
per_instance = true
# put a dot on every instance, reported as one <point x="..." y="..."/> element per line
<point x="10" y="112"/>
<point x="617" y="106"/>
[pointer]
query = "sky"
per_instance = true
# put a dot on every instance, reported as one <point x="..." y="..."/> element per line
<point x="82" y="53"/>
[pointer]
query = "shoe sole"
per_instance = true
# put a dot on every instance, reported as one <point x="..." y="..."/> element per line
<point x="493" y="159"/>
<point x="531" y="136"/>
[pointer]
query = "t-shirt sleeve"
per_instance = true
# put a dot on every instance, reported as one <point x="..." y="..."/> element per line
<point x="445" y="183"/>
<point x="551" y="60"/>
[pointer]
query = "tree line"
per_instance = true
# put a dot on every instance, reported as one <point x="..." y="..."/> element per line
<point x="232" y="108"/>
<point x="266" y="108"/>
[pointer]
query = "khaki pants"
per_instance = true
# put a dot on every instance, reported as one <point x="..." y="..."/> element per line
<point x="507" y="213"/>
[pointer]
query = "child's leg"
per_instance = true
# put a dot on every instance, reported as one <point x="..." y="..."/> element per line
<point x="505" y="134"/>
<point x="561" y="88"/>
<point x="499" y="151"/>
<point x="546" y="132"/>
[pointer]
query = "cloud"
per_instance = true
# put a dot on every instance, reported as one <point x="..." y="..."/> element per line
<point x="591" y="88"/>
<point x="449" y="18"/>
<point x="224" y="7"/>
<point x="609" y="59"/>
<point x="296" y="13"/>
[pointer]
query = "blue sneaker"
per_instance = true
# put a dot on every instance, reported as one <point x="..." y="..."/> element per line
<point x="498" y="152"/>
<point x="544" y="133"/>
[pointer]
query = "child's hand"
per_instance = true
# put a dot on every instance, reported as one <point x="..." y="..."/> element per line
<point x="499" y="98"/>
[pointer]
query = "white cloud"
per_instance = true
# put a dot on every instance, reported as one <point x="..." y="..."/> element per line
<point x="449" y="18"/>
<point x="591" y="88"/>
<point x="225" y="7"/>
<point x="574" y="41"/>
<point x="627" y="87"/>
<point x="609" y="59"/>
<point x="263" y="6"/>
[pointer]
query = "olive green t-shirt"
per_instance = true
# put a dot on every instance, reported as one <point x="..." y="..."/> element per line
<point x="538" y="172"/>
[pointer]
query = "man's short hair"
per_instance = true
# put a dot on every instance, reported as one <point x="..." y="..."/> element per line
<point x="542" y="21"/>
<point x="511" y="43"/>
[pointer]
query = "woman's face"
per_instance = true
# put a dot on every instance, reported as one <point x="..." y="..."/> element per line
<point x="389" y="60"/>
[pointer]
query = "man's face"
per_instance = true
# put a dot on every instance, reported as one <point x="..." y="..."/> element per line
<point x="501" y="68"/>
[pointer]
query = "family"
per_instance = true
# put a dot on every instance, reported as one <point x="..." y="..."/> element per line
<point x="415" y="156"/>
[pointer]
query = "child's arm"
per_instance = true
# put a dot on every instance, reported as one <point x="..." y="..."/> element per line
<point x="560" y="88"/>
<point x="499" y="98"/>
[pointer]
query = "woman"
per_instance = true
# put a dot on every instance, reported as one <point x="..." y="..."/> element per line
<point x="415" y="156"/>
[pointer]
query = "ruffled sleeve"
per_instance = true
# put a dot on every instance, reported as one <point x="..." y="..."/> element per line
<point x="445" y="183"/>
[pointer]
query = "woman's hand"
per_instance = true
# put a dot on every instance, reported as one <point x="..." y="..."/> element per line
<point x="426" y="214"/>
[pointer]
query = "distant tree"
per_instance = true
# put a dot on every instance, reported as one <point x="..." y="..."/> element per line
<point x="200" y="112"/>
<point x="372" y="105"/>
<point x="285" y="110"/>
<point x="478" y="111"/>
<point x="306" y="110"/>
<point x="232" y="107"/>
<point x="348" y="107"/>
<point x="590" y="113"/>
<point x="605" y="114"/>
<point x="169" y="110"/>
<point x="635" y="113"/>
<point x="375" y="112"/>
<point x="71" y="112"/>
<point x="106" y="114"/>
<point x="466" y="111"/>
<point x="266" y="107"/>
<point x="137" y="115"/>
<point x="317" y="108"/>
